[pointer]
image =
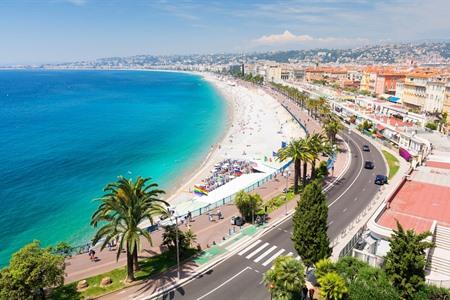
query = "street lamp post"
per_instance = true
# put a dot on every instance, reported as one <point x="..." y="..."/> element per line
<point x="178" y="248"/>
<point x="285" y="193"/>
<point x="173" y="213"/>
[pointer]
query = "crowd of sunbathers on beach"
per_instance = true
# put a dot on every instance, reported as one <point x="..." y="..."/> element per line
<point x="225" y="171"/>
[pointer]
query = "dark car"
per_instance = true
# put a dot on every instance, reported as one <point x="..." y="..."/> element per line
<point x="381" y="179"/>
<point x="369" y="165"/>
<point x="236" y="220"/>
<point x="366" y="148"/>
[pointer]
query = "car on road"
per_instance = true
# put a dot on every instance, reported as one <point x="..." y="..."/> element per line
<point x="366" y="148"/>
<point x="381" y="179"/>
<point x="368" y="165"/>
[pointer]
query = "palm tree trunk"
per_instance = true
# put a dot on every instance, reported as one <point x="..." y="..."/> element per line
<point x="313" y="169"/>
<point x="299" y="170"/>
<point x="305" y="166"/>
<point x="135" y="259"/>
<point x="130" y="271"/>
<point x="296" y="174"/>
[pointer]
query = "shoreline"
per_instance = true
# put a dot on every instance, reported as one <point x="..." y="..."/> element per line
<point x="186" y="175"/>
<point x="243" y="104"/>
<point x="255" y="125"/>
<point x="187" y="179"/>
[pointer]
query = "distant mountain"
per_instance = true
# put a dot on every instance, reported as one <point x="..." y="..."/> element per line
<point x="422" y="53"/>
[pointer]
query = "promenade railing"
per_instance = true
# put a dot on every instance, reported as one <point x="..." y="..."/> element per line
<point x="229" y="199"/>
<point x="84" y="248"/>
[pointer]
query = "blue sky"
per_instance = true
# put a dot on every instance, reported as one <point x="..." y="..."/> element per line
<point x="36" y="31"/>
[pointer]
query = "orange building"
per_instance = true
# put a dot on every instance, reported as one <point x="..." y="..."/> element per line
<point x="386" y="83"/>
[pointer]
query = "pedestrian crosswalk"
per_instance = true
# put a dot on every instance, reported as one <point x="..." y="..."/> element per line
<point x="263" y="253"/>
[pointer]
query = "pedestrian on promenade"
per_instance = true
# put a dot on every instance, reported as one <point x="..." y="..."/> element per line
<point x="209" y="216"/>
<point x="311" y="293"/>
<point x="92" y="254"/>
<point x="304" y="292"/>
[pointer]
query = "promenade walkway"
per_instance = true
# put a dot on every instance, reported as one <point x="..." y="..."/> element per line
<point x="79" y="266"/>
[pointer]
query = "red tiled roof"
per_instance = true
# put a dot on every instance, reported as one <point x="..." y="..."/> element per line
<point x="389" y="219"/>
<point x="416" y="205"/>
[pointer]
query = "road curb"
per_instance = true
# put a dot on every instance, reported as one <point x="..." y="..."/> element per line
<point x="222" y="257"/>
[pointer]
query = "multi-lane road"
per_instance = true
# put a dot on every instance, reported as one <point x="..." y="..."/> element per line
<point x="240" y="276"/>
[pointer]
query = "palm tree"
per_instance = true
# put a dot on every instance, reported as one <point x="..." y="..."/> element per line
<point x="317" y="144"/>
<point x="297" y="151"/>
<point x="302" y="99"/>
<point x="332" y="286"/>
<point x="332" y="126"/>
<point x="310" y="105"/>
<point x="324" y="110"/>
<point x="285" y="279"/>
<point x="190" y="237"/>
<point x="125" y="205"/>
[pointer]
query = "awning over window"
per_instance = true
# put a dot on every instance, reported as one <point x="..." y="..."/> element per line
<point x="380" y="127"/>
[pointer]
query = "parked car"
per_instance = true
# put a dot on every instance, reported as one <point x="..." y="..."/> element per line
<point x="366" y="148"/>
<point x="236" y="220"/>
<point x="381" y="179"/>
<point x="369" y="165"/>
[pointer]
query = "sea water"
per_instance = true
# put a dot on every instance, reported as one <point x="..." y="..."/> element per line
<point x="65" y="134"/>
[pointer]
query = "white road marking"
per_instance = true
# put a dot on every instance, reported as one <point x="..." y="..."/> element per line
<point x="250" y="247"/>
<point x="331" y="222"/>
<point x="344" y="210"/>
<point x="256" y="251"/>
<point x="272" y="258"/>
<point x="351" y="184"/>
<point x="265" y="254"/>
<point x="221" y="285"/>
<point x="238" y="243"/>
<point x="290" y="254"/>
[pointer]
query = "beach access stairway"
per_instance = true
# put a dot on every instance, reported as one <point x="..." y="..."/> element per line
<point x="439" y="259"/>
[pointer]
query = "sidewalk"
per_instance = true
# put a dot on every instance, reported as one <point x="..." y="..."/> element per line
<point x="208" y="232"/>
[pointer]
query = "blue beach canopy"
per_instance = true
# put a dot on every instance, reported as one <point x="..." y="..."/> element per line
<point x="393" y="99"/>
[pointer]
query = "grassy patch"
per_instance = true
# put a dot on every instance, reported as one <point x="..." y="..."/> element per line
<point x="393" y="163"/>
<point x="149" y="267"/>
<point x="278" y="201"/>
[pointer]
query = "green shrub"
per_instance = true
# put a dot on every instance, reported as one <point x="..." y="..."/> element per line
<point x="431" y="125"/>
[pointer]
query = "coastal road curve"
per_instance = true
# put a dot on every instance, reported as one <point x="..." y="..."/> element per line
<point x="240" y="276"/>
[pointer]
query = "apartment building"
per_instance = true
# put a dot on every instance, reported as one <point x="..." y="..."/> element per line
<point x="314" y="74"/>
<point x="423" y="91"/>
<point x="273" y="73"/>
<point x="386" y="83"/>
<point x="380" y="80"/>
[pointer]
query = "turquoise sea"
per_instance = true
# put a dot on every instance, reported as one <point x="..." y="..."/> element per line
<point x="65" y="134"/>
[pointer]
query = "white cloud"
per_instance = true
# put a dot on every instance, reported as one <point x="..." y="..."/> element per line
<point x="285" y="37"/>
<point x="78" y="2"/>
<point x="289" y="38"/>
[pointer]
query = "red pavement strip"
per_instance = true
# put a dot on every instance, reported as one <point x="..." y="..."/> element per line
<point x="438" y="164"/>
<point x="416" y="205"/>
<point x="79" y="266"/>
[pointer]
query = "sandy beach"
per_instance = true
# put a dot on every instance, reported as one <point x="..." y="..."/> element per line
<point x="257" y="124"/>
